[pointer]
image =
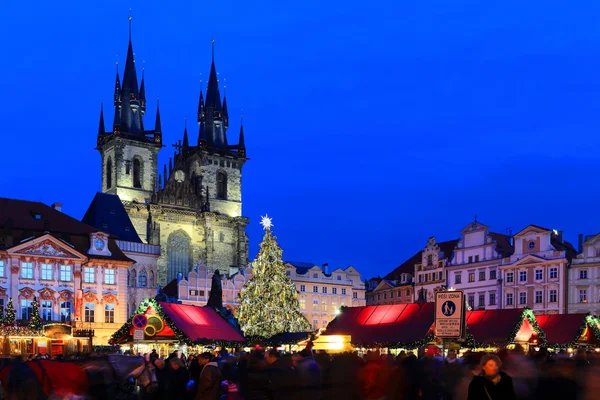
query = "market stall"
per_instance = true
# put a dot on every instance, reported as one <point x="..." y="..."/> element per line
<point x="564" y="331"/>
<point x="169" y="327"/>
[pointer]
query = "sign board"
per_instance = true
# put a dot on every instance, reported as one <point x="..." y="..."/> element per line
<point x="139" y="321"/>
<point x="58" y="331"/>
<point x="449" y="314"/>
<point x="138" y="334"/>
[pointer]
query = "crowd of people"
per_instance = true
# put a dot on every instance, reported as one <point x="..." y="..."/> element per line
<point x="308" y="375"/>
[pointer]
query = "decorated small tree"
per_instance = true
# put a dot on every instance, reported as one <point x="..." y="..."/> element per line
<point x="10" y="317"/>
<point x="269" y="301"/>
<point x="35" y="322"/>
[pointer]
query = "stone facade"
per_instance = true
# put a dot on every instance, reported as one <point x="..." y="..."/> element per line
<point x="392" y="292"/>
<point x="584" y="278"/>
<point x="430" y="272"/>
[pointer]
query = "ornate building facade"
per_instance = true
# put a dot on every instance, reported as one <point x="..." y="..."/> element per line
<point x="584" y="277"/>
<point x="77" y="273"/>
<point x="193" y="210"/>
<point x="430" y="273"/>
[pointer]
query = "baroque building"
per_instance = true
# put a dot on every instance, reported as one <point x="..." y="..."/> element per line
<point x="474" y="267"/>
<point x="584" y="277"/>
<point x="193" y="210"/>
<point x="430" y="272"/>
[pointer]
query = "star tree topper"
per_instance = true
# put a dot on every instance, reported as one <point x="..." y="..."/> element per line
<point x="266" y="222"/>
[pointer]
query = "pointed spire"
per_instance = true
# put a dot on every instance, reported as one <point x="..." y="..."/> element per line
<point x="101" y="130"/>
<point x="130" y="18"/>
<point x="202" y="134"/>
<point x="201" y="105"/>
<point x="242" y="140"/>
<point x="170" y="165"/>
<point x="225" y="113"/>
<point x="157" y="125"/>
<point x="143" y="92"/>
<point x="165" y="175"/>
<point x="117" y="94"/>
<point x="213" y="50"/>
<point x="131" y="114"/>
<point x="186" y="143"/>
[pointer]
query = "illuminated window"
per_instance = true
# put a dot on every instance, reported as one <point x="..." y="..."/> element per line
<point x="89" y="312"/>
<point x="46" y="310"/>
<point x="583" y="295"/>
<point x="47" y="271"/>
<point x="553" y="273"/>
<point x="552" y="296"/>
<point x="303" y="304"/>
<point x="65" y="273"/>
<point x="109" y="313"/>
<point x="65" y="311"/>
<point x="27" y="270"/>
<point x="221" y="185"/>
<point x="109" y="276"/>
<point x="471" y="276"/>
<point x="324" y="306"/>
<point x="26" y="309"/>
<point x="509" y="299"/>
<point x="315" y="324"/>
<point x="334" y="306"/>
<point x="137" y="173"/>
<point x="2" y="269"/>
<point x="88" y="274"/>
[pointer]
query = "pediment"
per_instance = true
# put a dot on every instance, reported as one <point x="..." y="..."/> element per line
<point x="46" y="246"/>
<point x="592" y="240"/>
<point x="383" y="285"/>
<point x="473" y="227"/>
<point x="530" y="259"/>
<point x="531" y="229"/>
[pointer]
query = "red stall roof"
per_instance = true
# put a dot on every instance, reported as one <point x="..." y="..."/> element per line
<point x="561" y="328"/>
<point x="398" y="323"/>
<point x="492" y="326"/>
<point x="200" y="323"/>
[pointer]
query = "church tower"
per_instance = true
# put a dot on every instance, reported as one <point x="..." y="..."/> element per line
<point x="129" y="153"/>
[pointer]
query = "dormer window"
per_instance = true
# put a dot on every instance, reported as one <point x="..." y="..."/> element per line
<point x="315" y="275"/>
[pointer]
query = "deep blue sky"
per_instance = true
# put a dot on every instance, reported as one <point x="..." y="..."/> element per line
<point x="370" y="125"/>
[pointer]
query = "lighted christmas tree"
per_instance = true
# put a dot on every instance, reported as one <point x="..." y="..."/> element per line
<point x="9" y="317"/>
<point x="269" y="301"/>
<point x="35" y="323"/>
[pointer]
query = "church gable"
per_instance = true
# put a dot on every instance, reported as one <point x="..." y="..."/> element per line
<point x="47" y="246"/>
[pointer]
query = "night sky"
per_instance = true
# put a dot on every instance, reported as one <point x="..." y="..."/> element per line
<point x="370" y="125"/>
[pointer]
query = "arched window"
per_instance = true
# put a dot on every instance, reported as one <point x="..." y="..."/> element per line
<point x="137" y="173"/>
<point x="109" y="173"/>
<point x="152" y="279"/>
<point x="178" y="254"/>
<point x="143" y="279"/>
<point x="221" y="185"/>
<point x="221" y="237"/>
<point x="133" y="281"/>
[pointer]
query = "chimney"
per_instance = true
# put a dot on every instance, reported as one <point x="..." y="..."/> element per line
<point x="57" y="206"/>
<point x="580" y="243"/>
<point x="559" y="235"/>
<point x="324" y="267"/>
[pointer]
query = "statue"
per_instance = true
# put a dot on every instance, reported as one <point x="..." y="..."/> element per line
<point x="215" y="300"/>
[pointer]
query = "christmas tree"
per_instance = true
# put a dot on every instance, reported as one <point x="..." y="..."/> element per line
<point x="10" y="317"/>
<point x="35" y="323"/>
<point x="269" y="301"/>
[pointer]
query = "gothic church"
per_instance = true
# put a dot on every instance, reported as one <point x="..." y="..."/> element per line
<point x="193" y="210"/>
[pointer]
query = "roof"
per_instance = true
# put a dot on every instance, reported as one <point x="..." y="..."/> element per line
<point x="567" y="247"/>
<point x="503" y="244"/>
<point x="106" y="213"/>
<point x="392" y="324"/>
<point x="408" y="267"/>
<point x="201" y="323"/>
<point x="492" y="326"/>
<point x="171" y="289"/>
<point x="561" y="329"/>
<point x="25" y="220"/>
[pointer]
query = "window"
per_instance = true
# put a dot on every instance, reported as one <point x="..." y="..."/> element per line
<point x="343" y="291"/>
<point x="378" y="297"/>
<point x="339" y="277"/>
<point x="385" y="296"/>
<point x="46" y="310"/>
<point x="137" y="173"/>
<point x="65" y="311"/>
<point x="221" y="237"/>
<point x="315" y="324"/>
<point x="426" y="277"/>
<point x="315" y="304"/>
<point x="109" y="313"/>
<point x="457" y="278"/>
<point x="539" y="274"/>
<point x="325" y="324"/>
<point x="27" y="270"/>
<point x="151" y="278"/>
<point x="477" y="258"/>
<point x="302" y="288"/>
<point x="583" y="296"/>
<point x="315" y="275"/>
<point x="407" y="292"/>
<point x="510" y="277"/>
<point x="334" y="290"/>
<point x="471" y="300"/>
<point x="471" y="276"/>
<point x="109" y="173"/>
<point x="178" y="254"/>
<point x="109" y="276"/>
<point x="89" y="312"/>
<point x="1" y="269"/>
<point x="522" y="298"/>
<point x="334" y="306"/>
<point x="355" y="295"/>
<point x="315" y="289"/>
<point x="221" y="185"/>
<point x="303" y="304"/>
<point x="470" y="259"/>
<point x="482" y="275"/>
<point x="552" y="296"/>
<point x="324" y="306"/>
<point x="493" y="274"/>
<point x="392" y="294"/>
<point x="509" y="299"/>
<point x="47" y="272"/>
<point x="88" y="274"/>
<point x="492" y="299"/>
<point x="420" y="278"/>
<point x="538" y="297"/>
<point x="553" y="273"/>
<point x="143" y="279"/>
<point x="430" y="260"/>
<point x="26" y="309"/>
<point x="133" y="280"/>
<point x="324" y="289"/>
<point x="522" y="276"/>
<point x="440" y="275"/>
<point x="583" y="274"/>
<point x="65" y="273"/>
<point x="481" y="300"/>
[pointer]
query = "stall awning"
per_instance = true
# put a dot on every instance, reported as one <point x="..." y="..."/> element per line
<point x="493" y="326"/>
<point x="566" y="329"/>
<point x="395" y="325"/>
<point x="200" y="323"/>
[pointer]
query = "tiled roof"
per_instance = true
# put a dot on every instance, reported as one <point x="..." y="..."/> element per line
<point x="503" y="245"/>
<point x="23" y="220"/>
<point x="408" y="267"/>
<point x="106" y="212"/>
